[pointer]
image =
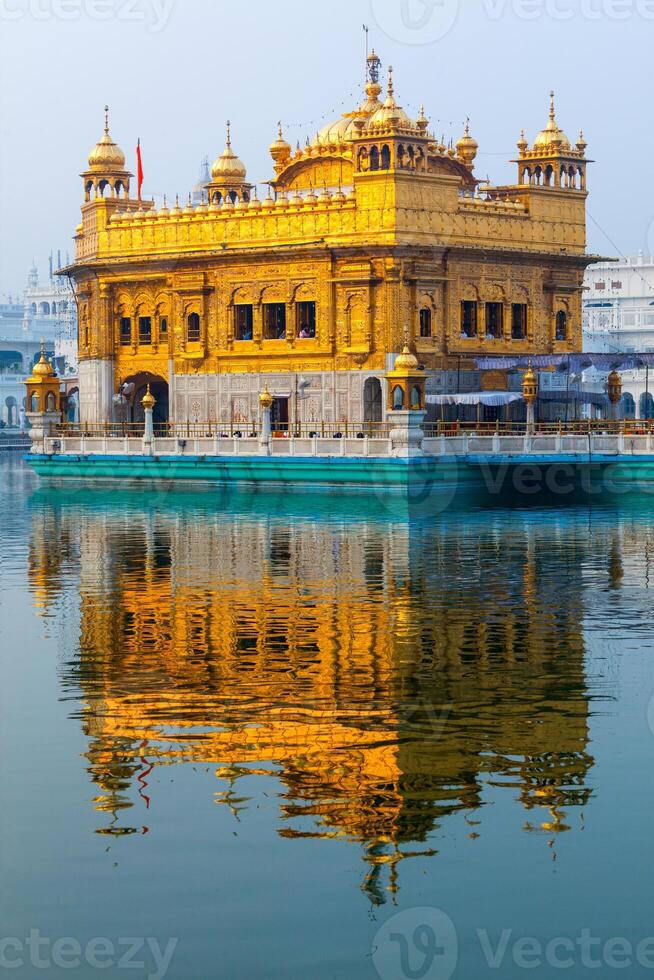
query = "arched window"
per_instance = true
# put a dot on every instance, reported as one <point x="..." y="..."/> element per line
<point x="44" y="309"/>
<point x="33" y="309"/>
<point x="401" y="153"/>
<point x="193" y="328"/>
<point x="628" y="406"/>
<point x="425" y="322"/>
<point x="374" y="158"/>
<point x="53" y="309"/>
<point x="646" y="406"/>
<point x="398" y="398"/>
<point x="34" y="402"/>
<point x="561" y="325"/>
<point x="385" y="158"/>
<point x="372" y="400"/>
<point x="50" y="402"/>
<point x="416" y="398"/>
<point x="163" y="329"/>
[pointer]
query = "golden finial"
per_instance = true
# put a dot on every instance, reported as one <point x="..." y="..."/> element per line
<point x="552" y="107"/>
<point x="106" y="120"/>
<point x="391" y="86"/>
<point x="467" y="129"/>
<point x="266" y="399"/>
<point x="148" y="401"/>
<point x="229" y="133"/>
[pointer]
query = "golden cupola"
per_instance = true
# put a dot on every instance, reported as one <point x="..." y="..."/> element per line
<point x="553" y="161"/>
<point x="229" y="176"/>
<point x="280" y="150"/>
<point x="552" y="137"/>
<point x="106" y="155"/>
<point x="106" y="167"/>
<point x="467" y="147"/>
<point x="391" y="115"/>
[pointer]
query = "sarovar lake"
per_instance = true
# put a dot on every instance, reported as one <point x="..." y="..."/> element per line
<point x="266" y="735"/>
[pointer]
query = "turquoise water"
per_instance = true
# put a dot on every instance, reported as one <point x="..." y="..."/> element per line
<point x="298" y="736"/>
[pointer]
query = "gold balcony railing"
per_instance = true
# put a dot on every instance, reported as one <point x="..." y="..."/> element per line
<point x="224" y="430"/>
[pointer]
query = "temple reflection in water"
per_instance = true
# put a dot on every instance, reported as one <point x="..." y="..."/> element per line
<point x="386" y="673"/>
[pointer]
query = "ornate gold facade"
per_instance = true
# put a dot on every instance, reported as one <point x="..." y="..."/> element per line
<point x="373" y="234"/>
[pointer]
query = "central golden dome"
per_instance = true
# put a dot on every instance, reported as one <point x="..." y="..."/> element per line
<point x="106" y="155"/>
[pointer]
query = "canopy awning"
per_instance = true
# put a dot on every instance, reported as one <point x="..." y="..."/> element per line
<point x="567" y="362"/>
<point x="491" y="398"/>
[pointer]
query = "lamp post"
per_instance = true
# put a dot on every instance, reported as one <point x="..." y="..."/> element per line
<point x="148" y="402"/>
<point x="266" y="404"/>
<point x="530" y="394"/>
<point x="614" y="389"/>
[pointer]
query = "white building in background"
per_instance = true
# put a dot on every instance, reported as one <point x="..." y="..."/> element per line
<point x="619" y="318"/>
<point x="51" y="313"/>
<point x="46" y="312"/>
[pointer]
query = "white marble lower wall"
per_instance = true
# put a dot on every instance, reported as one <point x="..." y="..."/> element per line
<point x="96" y="390"/>
<point x="328" y="396"/>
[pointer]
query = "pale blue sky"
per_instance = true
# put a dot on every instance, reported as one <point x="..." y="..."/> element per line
<point x="494" y="60"/>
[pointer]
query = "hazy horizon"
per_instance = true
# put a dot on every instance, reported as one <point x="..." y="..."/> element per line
<point x="173" y="71"/>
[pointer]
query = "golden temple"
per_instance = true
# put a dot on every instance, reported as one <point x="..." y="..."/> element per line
<point x="374" y="234"/>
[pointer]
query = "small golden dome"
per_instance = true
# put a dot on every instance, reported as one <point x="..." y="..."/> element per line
<point x="390" y="114"/>
<point x="466" y="148"/>
<point x="148" y="401"/>
<point x="280" y="150"/>
<point x="266" y="399"/>
<point x="44" y="368"/>
<point x="552" y="137"/>
<point x="106" y="155"/>
<point x="228" y="165"/>
<point x="406" y="361"/>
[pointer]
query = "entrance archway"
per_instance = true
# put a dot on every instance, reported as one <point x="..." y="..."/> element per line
<point x="158" y="388"/>
<point x="372" y="401"/>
